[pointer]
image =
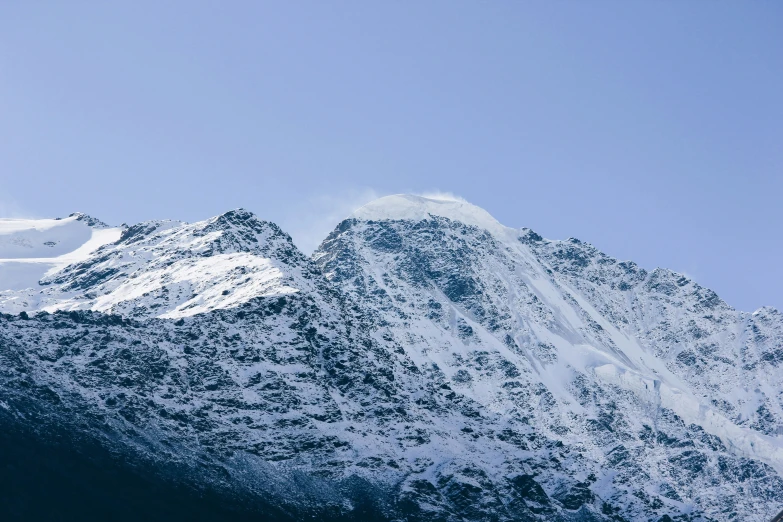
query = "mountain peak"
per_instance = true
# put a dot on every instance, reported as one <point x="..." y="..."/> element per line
<point x="409" y="207"/>
<point x="88" y="220"/>
<point x="237" y="215"/>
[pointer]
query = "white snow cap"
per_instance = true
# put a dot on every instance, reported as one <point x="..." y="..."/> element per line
<point x="33" y="248"/>
<point x="417" y="208"/>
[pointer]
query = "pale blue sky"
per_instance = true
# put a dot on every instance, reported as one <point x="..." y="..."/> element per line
<point x="651" y="129"/>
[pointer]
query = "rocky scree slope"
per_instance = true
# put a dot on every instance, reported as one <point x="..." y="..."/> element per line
<point x="427" y="363"/>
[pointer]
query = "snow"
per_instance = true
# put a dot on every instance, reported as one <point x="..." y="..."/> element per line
<point x="617" y="325"/>
<point x="418" y="208"/>
<point x="168" y="269"/>
<point x="743" y="441"/>
<point x="31" y="249"/>
<point x="558" y="331"/>
<point x="200" y="285"/>
<point x="41" y="238"/>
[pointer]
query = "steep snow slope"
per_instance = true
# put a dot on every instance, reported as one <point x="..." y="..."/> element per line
<point x="726" y="358"/>
<point x="171" y="269"/>
<point x="650" y="307"/>
<point x="32" y="248"/>
<point x="462" y="293"/>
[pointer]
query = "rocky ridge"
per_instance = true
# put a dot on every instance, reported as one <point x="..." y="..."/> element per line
<point x="426" y="363"/>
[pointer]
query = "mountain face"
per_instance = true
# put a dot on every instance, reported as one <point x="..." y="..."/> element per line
<point x="427" y="363"/>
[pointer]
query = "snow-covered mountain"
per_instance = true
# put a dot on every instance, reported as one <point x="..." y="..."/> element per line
<point x="167" y="269"/>
<point x="427" y="363"/>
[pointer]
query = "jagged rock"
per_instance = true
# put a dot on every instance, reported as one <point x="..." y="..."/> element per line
<point x="426" y="364"/>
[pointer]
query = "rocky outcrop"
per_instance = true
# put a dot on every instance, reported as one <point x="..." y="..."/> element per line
<point x="426" y="364"/>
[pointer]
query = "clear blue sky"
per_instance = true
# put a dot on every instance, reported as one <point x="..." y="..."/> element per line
<point x="653" y="130"/>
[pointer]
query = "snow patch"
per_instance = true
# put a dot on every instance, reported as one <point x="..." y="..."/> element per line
<point x="205" y="283"/>
<point x="31" y="249"/>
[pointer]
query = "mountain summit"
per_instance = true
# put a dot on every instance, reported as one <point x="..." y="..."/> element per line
<point x="426" y="363"/>
<point x="408" y="207"/>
